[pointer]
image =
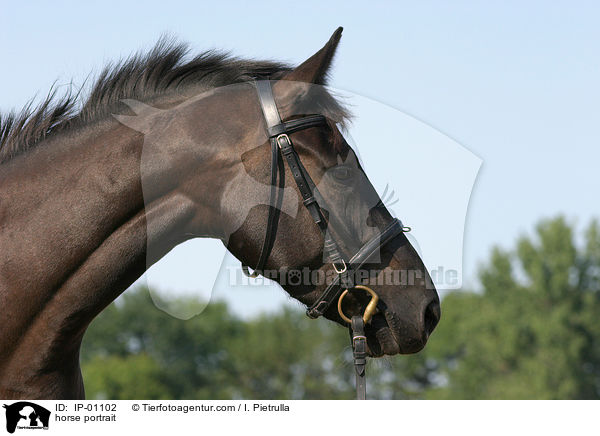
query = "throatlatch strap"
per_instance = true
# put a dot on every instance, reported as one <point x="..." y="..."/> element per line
<point x="271" y="116"/>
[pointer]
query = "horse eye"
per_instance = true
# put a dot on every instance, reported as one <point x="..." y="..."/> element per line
<point x="342" y="173"/>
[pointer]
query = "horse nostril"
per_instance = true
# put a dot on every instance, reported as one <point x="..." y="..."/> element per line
<point x="431" y="316"/>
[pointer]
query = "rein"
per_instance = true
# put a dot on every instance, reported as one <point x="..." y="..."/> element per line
<point x="281" y="144"/>
<point x="359" y="340"/>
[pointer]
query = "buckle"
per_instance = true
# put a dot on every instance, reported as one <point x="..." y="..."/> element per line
<point x="342" y="269"/>
<point x="283" y="136"/>
<point x="355" y="339"/>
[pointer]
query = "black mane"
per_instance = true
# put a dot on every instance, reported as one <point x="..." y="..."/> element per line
<point x="142" y="76"/>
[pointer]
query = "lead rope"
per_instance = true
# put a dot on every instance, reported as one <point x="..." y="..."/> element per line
<point x="359" y="340"/>
<point x="359" y="350"/>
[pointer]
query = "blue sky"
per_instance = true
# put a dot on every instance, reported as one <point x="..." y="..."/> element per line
<point x="516" y="84"/>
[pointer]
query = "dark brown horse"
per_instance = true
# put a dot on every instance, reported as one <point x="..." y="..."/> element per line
<point x="88" y="201"/>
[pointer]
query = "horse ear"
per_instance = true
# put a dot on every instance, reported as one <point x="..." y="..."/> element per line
<point x="314" y="69"/>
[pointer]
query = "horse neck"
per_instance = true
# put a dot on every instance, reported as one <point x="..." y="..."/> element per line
<point x="75" y="232"/>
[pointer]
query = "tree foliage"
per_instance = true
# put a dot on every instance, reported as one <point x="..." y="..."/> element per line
<point x="532" y="331"/>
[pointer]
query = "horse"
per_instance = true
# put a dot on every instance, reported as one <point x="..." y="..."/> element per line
<point x="166" y="148"/>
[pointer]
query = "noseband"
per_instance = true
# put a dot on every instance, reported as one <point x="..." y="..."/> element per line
<point x="278" y="132"/>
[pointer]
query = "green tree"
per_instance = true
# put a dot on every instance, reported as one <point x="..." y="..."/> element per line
<point x="136" y="376"/>
<point x="288" y="356"/>
<point x="186" y="359"/>
<point x="533" y="331"/>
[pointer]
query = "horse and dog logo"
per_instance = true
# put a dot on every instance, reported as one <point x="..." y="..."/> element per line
<point x="26" y="415"/>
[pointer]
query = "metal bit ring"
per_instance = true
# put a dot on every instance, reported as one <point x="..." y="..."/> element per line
<point x="369" y="310"/>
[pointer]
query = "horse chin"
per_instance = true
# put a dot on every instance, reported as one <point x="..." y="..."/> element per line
<point x="383" y="340"/>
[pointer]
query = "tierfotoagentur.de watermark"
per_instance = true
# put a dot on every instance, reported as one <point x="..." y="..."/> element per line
<point x="371" y="277"/>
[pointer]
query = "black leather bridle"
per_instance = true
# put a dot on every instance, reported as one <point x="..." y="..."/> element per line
<point x="281" y="143"/>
